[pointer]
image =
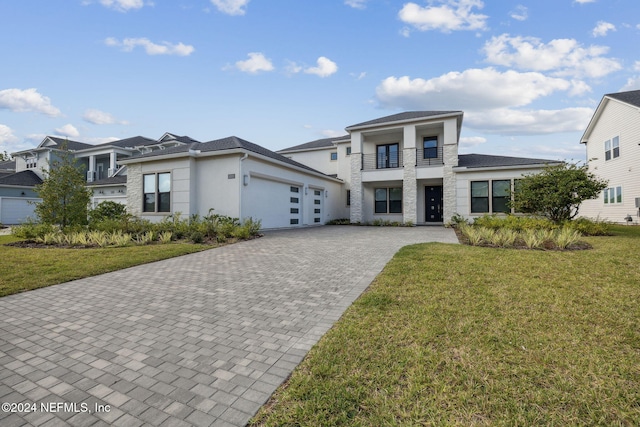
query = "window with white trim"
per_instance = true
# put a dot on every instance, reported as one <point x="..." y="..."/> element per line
<point x="612" y="148"/>
<point x="613" y="195"/>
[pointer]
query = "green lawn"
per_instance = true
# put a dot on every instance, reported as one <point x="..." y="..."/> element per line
<point x="25" y="269"/>
<point x="460" y="335"/>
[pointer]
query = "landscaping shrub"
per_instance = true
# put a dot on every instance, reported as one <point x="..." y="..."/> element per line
<point x="32" y="230"/>
<point x="107" y="210"/>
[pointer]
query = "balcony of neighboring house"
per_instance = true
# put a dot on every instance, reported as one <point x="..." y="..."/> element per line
<point x="101" y="166"/>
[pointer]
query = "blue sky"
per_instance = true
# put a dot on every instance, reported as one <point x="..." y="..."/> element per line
<point x="527" y="74"/>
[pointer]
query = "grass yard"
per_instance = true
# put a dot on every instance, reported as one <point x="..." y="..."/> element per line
<point x="460" y="335"/>
<point x="25" y="269"/>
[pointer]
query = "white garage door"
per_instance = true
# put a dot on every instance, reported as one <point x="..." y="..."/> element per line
<point x="276" y="204"/>
<point x="16" y="210"/>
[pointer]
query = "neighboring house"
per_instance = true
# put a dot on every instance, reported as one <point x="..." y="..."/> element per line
<point x="233" y="177"/>
<point x="406" y="167"/>
<point x="612" y="141"/>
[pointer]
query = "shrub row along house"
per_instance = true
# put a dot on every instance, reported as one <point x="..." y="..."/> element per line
<point x="404" y="167"/>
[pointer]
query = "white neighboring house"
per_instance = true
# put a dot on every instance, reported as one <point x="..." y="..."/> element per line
<point x="612" y="141"/>
<point x="233" y="177"/>
<point x="406" y="168"/>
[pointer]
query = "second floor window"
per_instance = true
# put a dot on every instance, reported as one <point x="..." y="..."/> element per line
<point x="430" y="147"/>
<point x="612" y="148"/>
<point x="334" y="156"/>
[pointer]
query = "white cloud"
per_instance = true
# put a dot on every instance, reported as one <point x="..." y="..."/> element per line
<point x="231" y="7"/>
<point x="451" y="15"/>
<point x="98" y="117"/>
<point x="165" y="48"/>
<point x="472" y="141"/>
<point x="122" y="5"/>
<point x="520" y="13"/>
<point x="602" y="28"/>
<point x="633" y="83"/>
<point x="636" y="66"/>
<point x="27" y="100"/>
<point x="359" y="76"/>
<point x="356" y="4"/>
<point x="473" y="89"/>
<point x="257" y="62"/>
<point x="564" y="57"/>
<point x="68" y="130"/>
<point x="584" y="1"/>
<point x="332" y="133"/>
<point x="6" y="135"/>
<point x="325" y="68"/>
<point x="508" y="121"/>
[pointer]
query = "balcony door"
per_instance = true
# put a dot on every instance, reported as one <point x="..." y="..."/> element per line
<point x="388" y="156"/>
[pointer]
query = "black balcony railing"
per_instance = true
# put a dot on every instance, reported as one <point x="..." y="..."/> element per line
<point x="382" y="161"/>
<point x="429" y="156"/>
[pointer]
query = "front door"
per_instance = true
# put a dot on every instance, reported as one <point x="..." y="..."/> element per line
<point x="433" y="203"/>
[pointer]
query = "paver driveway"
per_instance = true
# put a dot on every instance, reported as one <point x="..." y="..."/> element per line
<point x="202" y="339"/>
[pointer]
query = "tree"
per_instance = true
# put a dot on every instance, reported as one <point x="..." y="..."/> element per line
<point x="5" y="156"/>
<point x="65" y="197"/>
<point x="557" y="191"/>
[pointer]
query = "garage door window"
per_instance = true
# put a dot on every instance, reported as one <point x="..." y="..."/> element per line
<point x="157" y="192"/>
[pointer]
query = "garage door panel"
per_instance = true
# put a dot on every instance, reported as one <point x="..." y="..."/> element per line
<point x="273" y="203"/>
<point x="15" y="210"/>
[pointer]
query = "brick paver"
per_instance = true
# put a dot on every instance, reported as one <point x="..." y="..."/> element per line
<point x="200" y="340"/>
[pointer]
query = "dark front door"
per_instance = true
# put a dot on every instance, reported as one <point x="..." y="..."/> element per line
<point x="433" y="203"/>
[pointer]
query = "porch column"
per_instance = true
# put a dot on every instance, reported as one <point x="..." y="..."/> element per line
<point x="450" y="158"/>
<point x="92" y="168"/>
<point x="409" y="178"/>
<point x="112" y="164"/>
<point x="357" y="193"/>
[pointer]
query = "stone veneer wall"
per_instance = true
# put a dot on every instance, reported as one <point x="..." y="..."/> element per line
<point x="449" y="181"/>
<point x="409" y="187"/>
<point x="134" y="189"/>
<point x="356" y="188"/>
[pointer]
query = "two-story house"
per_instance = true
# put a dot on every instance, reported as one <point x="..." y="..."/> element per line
<point x="406" y="168"/>
<point x="612" y="141"/>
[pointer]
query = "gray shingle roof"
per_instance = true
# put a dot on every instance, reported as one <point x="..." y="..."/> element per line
<point x="318" y="143"/>
<point x="23" y="178"/>
<point x="134" y="141"/>
<point x="114" y="180"/>
<point x="486" y="160"/>
<point x="407" y="115"/>
<point x="229" y="143"/>
<point x="71" y="145"/>
<point x="632" y="97"/>
<point x="8" y="165"/>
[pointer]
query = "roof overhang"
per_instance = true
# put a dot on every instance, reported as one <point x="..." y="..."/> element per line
<point x="463" y="169"/>
<point x="435" y="117"/>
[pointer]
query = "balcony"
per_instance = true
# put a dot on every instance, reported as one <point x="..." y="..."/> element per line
<point x="379" y="161"/>
<point x="429" y="156"/>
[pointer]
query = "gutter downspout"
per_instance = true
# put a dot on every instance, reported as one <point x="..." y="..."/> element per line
<point x="241" y="184"/>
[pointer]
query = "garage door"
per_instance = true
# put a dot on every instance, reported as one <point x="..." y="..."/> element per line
<point x="276" y="204"/>
<point x="16" y="210"/>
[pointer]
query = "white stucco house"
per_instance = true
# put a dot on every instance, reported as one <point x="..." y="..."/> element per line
<point x="403" y="167"/>
<point x="612" y="141"/>
<point x="406" y="168"/>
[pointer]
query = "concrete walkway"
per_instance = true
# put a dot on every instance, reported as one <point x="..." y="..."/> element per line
<point x="199" y="340"/>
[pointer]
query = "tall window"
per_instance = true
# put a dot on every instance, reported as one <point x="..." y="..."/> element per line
<point x="388" y="156"/>
<point x="430" y="147"/>
<point x="388" y="200"/>
<point x="157" y="192"/>
<point x="479" y="196"/>
<point x="612" y="148"/>
<point x="501" y="195"/>
<point x="348" y="151"/>
<point x="348" y="197"/>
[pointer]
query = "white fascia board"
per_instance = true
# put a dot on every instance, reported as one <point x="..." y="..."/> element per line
<point x="407" y="121"/>
<point x="303" y="150"/>
<point x="294" y="167"/>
